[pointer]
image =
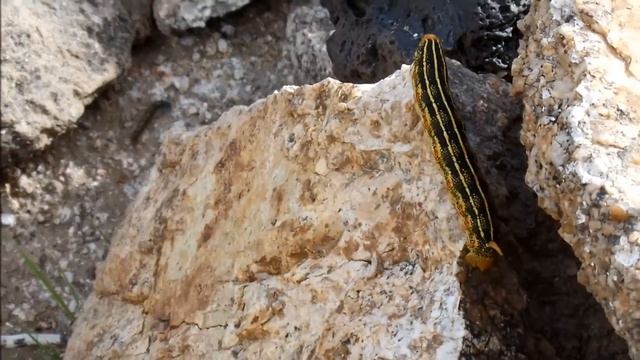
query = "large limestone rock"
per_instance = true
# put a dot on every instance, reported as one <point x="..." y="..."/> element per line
<point x="579" y="69"/>
<point x="55" y="58"/>
<point x="312" y="224"/>
<point x="180" y="15"/>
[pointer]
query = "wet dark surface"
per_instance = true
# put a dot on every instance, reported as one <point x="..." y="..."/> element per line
<point x="374" y="37"/>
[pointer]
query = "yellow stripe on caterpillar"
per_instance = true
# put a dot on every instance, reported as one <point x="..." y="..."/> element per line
<point x="434" y="104"/>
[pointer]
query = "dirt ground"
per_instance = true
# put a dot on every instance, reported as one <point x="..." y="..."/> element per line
<point x="68" y="200"/>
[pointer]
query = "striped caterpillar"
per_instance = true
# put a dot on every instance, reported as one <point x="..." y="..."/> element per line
<point x="433" y="102"/>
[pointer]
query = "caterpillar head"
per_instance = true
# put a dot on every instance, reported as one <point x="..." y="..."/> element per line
<point x="483" y="257"/>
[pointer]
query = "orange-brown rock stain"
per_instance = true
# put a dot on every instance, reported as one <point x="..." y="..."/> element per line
<point x="194" y="292"/>
<point x="308" y="194"/>
<point x="257" y="328"/>
<point x="297" y="242"/>
<point x="618" y="213"/>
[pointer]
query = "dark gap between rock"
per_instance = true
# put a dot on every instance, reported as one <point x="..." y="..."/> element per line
<point x="531" y="301"/>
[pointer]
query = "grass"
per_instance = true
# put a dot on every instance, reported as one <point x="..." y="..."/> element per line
<point x="72" y="289"/>
<point x="48" y="284"/>
<point x="47" y="351"/>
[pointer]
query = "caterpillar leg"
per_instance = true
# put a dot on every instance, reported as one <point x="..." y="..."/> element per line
<point x="494" y="246"/>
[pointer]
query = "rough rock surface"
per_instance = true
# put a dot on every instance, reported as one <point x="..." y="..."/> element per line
<point x="55" y="57"/>
<point x="313" y="222"/>
<point x="374" y="37"/>
<point x="180" y="15"/>
<point x="580" y="75"/>
<point x="308" y="28"/>
<point x="551" y="316"/>
<point x="141" y="14"/>
<point x="66" y="202"/>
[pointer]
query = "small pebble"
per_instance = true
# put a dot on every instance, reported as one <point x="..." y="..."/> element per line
<point x="228" y="30"/>
<point x="223" y="46"/>
<point x="8" y="219"/>
<point x="181" y="83"/>
<point x="238" y="73"/>
<point x="160" y="59"/>
<point x="186" y="41"/>
<point x="191" y="110"/>
<point x="19" y="314"/>
<point x="211" y="48"/>
<point x="26" y="184"/>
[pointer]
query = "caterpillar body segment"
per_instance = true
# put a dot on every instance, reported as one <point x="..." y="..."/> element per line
<point x="434" y="104"/>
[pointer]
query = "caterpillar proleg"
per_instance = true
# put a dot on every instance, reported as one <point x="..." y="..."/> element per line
<point x="434" y="104"/>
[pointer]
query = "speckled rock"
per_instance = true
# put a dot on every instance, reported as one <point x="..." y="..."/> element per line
<point x="308" y="28"/>
<point x="141" y="14"/>
<point x="312" y="223"/>
<point x="580" y="75"/>
<point x="374" y="37"/>
<point x="179" y="15"/>
<point x="55" y="58"/>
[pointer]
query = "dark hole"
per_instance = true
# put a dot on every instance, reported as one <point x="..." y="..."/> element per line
<point x="358" y="7"/>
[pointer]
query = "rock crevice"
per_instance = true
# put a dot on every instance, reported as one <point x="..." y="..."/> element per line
<point x="579" y="76"/>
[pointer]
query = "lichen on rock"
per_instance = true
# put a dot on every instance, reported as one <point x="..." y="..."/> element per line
<point x="579" y="75"/>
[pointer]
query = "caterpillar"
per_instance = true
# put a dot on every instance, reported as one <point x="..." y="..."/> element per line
<point x="435" y="107"/>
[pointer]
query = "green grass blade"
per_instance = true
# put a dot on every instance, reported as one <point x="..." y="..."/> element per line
<point x="46" y="282"/>
<point x="72" y="289"/>
<point x="47" y="351"/>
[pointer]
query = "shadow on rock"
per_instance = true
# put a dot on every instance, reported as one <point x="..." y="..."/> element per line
<point x="530" y="305"/>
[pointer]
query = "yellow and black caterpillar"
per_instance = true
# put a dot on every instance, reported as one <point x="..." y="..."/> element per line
<point x="433" y="101"/>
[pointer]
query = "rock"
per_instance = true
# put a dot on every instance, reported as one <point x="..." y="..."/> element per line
<point x="181" y="83"/>
<point x="8" y="219"/>
<point x="373" y="38"/>
<point x="579" y="74"/>
<point x="223" y="46"/>
<point x="55" y="59"/>
<point x="179" y="15"/>
<point x="308" y="28"/>
<point x="141" y="14"/>
<point x="228" y="30"/>
<point x="313" y="223"/>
